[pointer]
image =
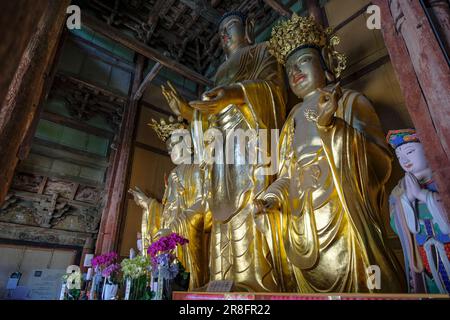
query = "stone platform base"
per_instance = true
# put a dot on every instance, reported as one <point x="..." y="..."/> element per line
<point x="293" y="296"/>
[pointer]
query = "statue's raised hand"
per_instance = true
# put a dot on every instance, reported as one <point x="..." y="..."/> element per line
<point x="328" y="104"/>
<point x="176" y="102"/>
<point x="140" y="197"/>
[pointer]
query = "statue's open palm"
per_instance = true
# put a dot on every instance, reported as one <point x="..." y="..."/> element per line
<point x="176" y="102"/>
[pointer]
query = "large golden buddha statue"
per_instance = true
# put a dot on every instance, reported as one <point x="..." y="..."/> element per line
<point x="249" y="94"/>
<point x="182" y="210"/>
<point x="334" y="164"/>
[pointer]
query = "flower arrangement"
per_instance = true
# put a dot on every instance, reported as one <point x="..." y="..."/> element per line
<point x="107" y="265"/>
<point x="72" y="292"/>
<point x="166" y="267"/>
<point x="136" y="267"/>
<point x="164" y="246"/>
<point x="135" y="272"/>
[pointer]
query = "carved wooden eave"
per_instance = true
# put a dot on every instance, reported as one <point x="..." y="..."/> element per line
<point x="51" y="203"/>
<point x="85" y="100"/>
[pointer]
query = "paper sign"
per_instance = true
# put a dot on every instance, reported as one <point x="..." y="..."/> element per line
<point x="46" y="284"/>
<point x="127" y="290"/>
<point x="13" y="281"/>
<point x="220" y="286"/>
<point x="88" y="260"/>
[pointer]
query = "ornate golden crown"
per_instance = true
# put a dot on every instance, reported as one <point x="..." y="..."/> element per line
<point x="299" y="31"/>
<point x="164" y="130"/>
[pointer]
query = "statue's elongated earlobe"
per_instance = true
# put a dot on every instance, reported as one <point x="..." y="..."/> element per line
<point x="330" y="77"/>
<point x="250" y="31"/>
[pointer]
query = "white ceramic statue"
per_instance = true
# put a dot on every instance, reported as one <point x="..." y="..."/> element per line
<point x="418" y="218"/>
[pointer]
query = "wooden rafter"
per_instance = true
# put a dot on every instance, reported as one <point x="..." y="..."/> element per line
<point x="139" y="47"/>
<point x="148" y="79"/>
<point x="76" y="124"/>
<point x="279" y="8"/>
<point x="202" y="8"/>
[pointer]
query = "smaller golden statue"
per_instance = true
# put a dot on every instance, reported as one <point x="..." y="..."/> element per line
<point x="150" y="223"/>
<point x="334" y="163"/>
<point x="182" y="210"/>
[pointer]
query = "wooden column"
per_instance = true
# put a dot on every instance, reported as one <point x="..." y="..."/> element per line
<point x="25" y="147"/>
<point x="117" y="184"/>
<point x="424" y="78"/>
<point x="440" y="14"/>
<point x="31" y="36"/>
<point x="314" y="10"/>
<point x="279" y="7"/>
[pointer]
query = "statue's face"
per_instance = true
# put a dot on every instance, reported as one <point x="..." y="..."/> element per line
<point x="412" y="157"/>
<point x="232" y="34"/>
<point x="179" y="146"/>
<point x="305" y="72"/>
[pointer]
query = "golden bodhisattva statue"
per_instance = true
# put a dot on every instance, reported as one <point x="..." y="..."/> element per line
<point x="182" y="210"/>
<point x="334" y="163"/>
<point x="249" y="93"/>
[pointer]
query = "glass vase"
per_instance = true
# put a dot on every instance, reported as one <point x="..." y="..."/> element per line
<point x="138" y="287"/>
<point x="160" y="285"/>
<point x="109" y="290"/>
<point x="168" y="287"/>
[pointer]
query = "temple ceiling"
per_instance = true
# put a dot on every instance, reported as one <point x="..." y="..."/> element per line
<point x="184" y="30"/>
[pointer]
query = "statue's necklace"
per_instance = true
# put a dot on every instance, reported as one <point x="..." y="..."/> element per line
<point x="311" y="115"/>
<point x="310" y="112"/>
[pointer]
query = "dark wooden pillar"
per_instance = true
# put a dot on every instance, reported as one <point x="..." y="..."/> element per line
<point x="31" y="31"/>
<point x="424" y="78"/>
<point x="117" y="185"/>
<point x="439" y="11"/>
<point x="314" y="10"/>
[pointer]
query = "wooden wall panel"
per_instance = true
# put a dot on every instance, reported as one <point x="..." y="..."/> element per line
<point x="148" y="172"/>
<point x="370" y="71"/>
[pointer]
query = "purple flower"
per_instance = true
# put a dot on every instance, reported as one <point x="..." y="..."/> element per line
<point x="108" y="271"/>
<point x="165" y="244"/>
<point x="103" y="261"/>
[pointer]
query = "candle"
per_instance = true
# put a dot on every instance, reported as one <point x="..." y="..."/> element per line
<point x="89" y="274"/>
<point x="132" y="253"/>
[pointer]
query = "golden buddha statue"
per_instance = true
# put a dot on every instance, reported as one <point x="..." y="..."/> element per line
<point x="183" y="209"/>
<point x="334" y="163"/>
<point x="249" y="94"/>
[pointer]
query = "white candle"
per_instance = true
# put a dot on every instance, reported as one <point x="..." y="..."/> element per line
<point x="132" y="253"/>
<point x="62" y="292"/>
<point x="89" y="274"/>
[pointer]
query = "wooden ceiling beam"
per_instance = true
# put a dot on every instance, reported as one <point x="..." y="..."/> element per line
<point x="77" y="124"/>
<point x="133" y="44"/>
<point x="62" y="76"/>
<point x="69" y="157"/>
<point x="204" y="10"/>
<point x="148" y="79"/>
<point x="73" y="151"/>
<point x="279" y="8"/>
